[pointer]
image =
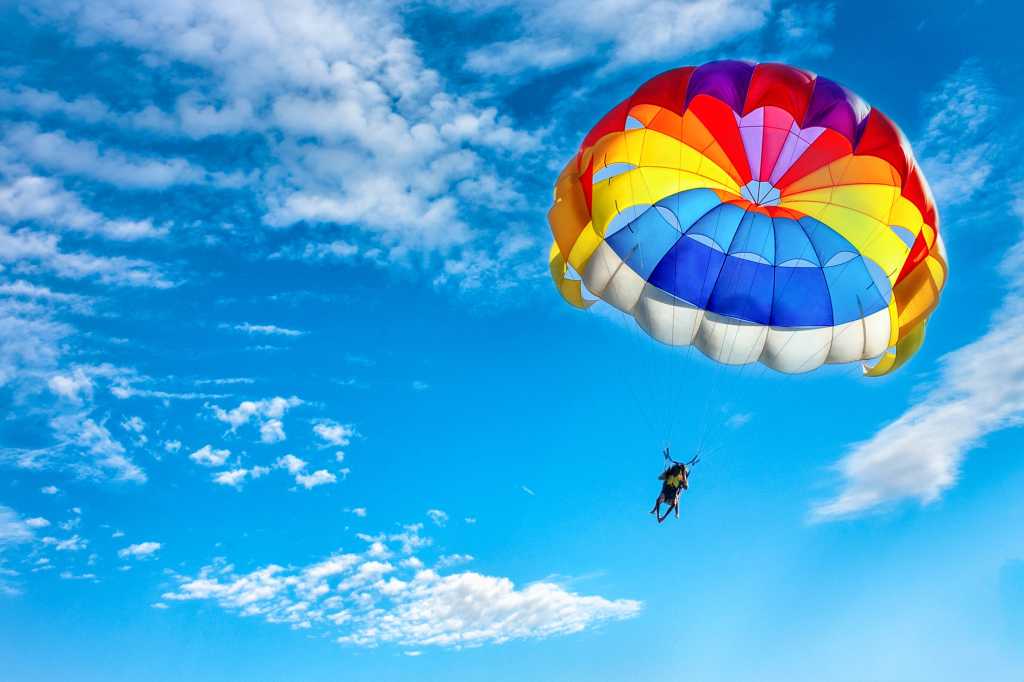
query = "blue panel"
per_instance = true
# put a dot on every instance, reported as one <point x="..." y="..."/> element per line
<point x="720" y="224"/>
<point x="744" y="291"/>
<point x="853" y="291"/>
<point x="688" y="271"/>
<point x="882" y="285"/>
<point x="827" y="242"/>
<point x="625" y="217"/>
<point x="755" y="235"/>
<point x="691" y="205"/>
<point x="791" y="242"/>
<point x="611" y="170"/>
<point x="644" y="242"/>
<point x="801" y="298"/>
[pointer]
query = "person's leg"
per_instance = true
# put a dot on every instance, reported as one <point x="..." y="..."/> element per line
<point x="657" y="504"/>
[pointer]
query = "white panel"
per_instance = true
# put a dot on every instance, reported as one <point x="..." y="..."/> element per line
<point x="796" y="350"/>
<point x="624" y="289"/>
<point x="847" y="342"/>
<point x="666" y="318"/>
<point x="876" y="332"/>
<point x="730" y="341"/>
<point x="599" y="269"/>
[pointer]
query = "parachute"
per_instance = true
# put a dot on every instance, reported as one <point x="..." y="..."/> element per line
<point x="757" y="212"/>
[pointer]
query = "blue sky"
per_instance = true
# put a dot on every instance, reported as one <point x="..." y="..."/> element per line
<point x="286" y="393"/>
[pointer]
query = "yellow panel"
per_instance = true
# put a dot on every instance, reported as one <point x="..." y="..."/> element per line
<point x="584" y="248"/>
<point x="905" y="214"/>
<point x="873" y="200"/>
<point x="570" y="289"/>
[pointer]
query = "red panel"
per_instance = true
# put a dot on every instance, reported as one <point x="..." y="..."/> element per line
<point x="829" y="146"/>
<point x="587" y="184"/>
<point x="881" y="138"/>
<point x="914" y="190"/>
<point x="613" y="121"/>
<point x="918" y="252"/>
<point x="719" y="119"/>
<point x="666" y="90"/>
<point x="780" y="86"/>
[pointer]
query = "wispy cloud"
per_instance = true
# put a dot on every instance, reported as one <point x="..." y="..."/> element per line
<point x="367" y="601"/>
<point x="141" y="550"/>
<point x="266" y="413"/>
<point x="979" y="390"/>
<point x="618" y="33"/>
<point x="956" y="147"/>
<point x="235" y="478"/>
<point x="265" y="329"/>
<point x="210" y="457"/>
<point x="438" y="517"/>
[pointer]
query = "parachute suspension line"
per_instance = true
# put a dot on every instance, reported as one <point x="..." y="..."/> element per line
<point x="647" y="348"/>
<point x="637" y="403"/>
<point x="748" y="359"/>
<point x="706" y="420"/>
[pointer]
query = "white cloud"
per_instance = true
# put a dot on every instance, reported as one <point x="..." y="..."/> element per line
<point x="37" y="522"/>
<point x="134" y="424"/>
<point x="172" y="446"/>
<point x="73" y="386"/>
<point x="956" y="147"/>
<point x="292" y="463"/>
<point x="236" y="477"/>
<point x="296" y="467"/>
<point x="528" y="491"/>
<point x="358" y="511"/>
<point x="334" y="433"/>
<point x="49" y="490"/>
<point x="439" y="517"/>
<point x="106" y="456"/>
<point x="369" y="602"/>
<point x="71" y="544"/>
<point x="56" y="152"/>
<point x="209" y="457"/>
<point x="619" y="32"/>
<point x="13" y="530"/>
<point x="266" y="329"/>
<point x="420" y="385"/>
<point x="26" y="197"/>
<point x="363" y="140"/>
<point x="804" y="29"/>
<point x="38" y="251"/>
<point x="738" y="420"/>
<point x="262" y="411"/>
<point x="139" y="550"/>
<point x="272" y="431"/>
<point x="470" y="609"/>
<point x="449" y="560"/>
<point x="471" y="520"/>
<point x="318" y="477"/>
<point x="979" y="390"/>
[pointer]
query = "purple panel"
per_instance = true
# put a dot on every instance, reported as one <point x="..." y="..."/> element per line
<point x="725" y="80"/>
<point x="830" y="108"/>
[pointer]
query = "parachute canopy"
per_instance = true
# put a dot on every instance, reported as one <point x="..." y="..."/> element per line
<point x="759" y="212"/>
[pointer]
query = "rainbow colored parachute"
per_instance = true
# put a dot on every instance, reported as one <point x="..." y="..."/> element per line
<point x="757" y="211"/>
